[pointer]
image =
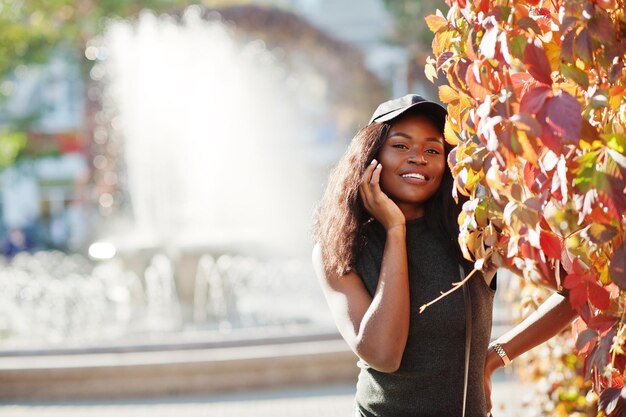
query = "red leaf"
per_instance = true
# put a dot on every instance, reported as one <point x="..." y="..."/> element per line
<point x="610" y="399"/>
<point x="577" y="291"/>
<point x="537" y="63"/>
<point x="519" y="81"/>
<point x="617" y="269"/>
<point x="551" y="141"/>
<point x="573" y="280"/>
<point x="563" y="114"/>
<point x="601" y="28"/>
<point x="599" y="296"/>
<point x="529" y="175"/>
<point x="532" y="101"/>
<point x="527" y="123"/>
<point x="582" y="46"/>
<point x="482" y="5"/>
<point x="550" y="244"/>
<point x="586" y="336"/>
<point x="567" y="46"/>
<point x="602" y="323"/>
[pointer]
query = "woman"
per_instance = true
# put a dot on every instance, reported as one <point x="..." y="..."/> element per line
<point x="387" y="243"/>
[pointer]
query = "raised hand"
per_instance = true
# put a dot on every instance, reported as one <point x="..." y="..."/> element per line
<point x="376" y="202"/>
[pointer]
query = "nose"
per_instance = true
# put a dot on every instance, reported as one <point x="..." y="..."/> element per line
<point x="417" y="158"/>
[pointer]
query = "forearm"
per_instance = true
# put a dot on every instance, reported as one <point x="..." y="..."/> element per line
<point x="550" y="318"/>
<point x="384" y="329"/>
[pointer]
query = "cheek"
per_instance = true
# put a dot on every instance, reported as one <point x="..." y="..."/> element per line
<point x="385" y="177"/>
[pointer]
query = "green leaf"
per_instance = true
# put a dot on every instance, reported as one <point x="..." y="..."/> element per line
<point x="575" y="74"/>
<point x="599" y="100"/>
<point x="615" y="141"/>
<point x="11" y="144"/>
<point x="517" y="45"/>
<point x="586" y="170"/>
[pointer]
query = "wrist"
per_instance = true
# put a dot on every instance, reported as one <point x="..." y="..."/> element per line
<point x="499" y="354"/>
<point x="396" y="228"/>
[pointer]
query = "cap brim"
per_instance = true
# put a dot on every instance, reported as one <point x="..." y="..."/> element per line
<point x="436" y="109"/>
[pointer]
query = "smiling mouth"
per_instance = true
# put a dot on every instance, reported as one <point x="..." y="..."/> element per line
<point x="414" y="175"/>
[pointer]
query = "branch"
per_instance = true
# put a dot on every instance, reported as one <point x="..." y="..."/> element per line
<point x="455" y="286"/>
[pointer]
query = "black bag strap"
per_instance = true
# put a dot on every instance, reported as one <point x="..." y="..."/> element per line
<point x="468" y="333"/>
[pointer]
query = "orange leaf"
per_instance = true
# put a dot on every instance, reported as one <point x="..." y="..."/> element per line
<point x="450" y="134"/>
<point x="472" y="77"/>
<point x="447" y="94"/>
<point x="435" y="23"/>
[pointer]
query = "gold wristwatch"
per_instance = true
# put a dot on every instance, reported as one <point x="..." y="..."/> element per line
<point x="501" y="352"/>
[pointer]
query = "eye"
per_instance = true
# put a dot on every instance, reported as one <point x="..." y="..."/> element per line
<point x="399" y="146"/>
<point x="433" y="151"/>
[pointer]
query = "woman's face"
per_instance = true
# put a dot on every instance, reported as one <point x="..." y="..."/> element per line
<point x="413" y="163"/>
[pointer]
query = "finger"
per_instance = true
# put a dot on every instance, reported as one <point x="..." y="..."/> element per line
<point x="367" y="174"/>
<point x="375" y="182"/>
<point x="376" y="175"/>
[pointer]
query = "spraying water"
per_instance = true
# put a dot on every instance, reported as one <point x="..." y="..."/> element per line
<point x="214" y="137"/>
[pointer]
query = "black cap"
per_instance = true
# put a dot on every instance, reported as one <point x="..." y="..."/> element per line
<point x="393" y="108"/>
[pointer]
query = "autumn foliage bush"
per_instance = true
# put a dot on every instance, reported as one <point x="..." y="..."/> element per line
<point x="536" y="96"/>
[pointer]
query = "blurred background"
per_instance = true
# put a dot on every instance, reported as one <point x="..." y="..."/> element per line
<point x="160" y="160"/>
<point x="159" y="165"/>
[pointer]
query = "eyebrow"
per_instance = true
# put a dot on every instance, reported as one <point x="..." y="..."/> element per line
<point x="404" y="135"/>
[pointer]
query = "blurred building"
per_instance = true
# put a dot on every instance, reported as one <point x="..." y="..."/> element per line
<point x="365" y="24"/>
<point x="42" y="195"/>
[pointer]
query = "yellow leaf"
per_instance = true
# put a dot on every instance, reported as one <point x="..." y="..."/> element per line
<point x="450" y="134"/>
<point x="435" y="23"/>
<point x="454" y="113"/>
<point x="448" y="94"/>
<point x="442" y="42"/>
<point x="553" y="52"/>
<point x="604" y="274"/>
<point x="528" y="152"/>
<point x="430" y="72"/>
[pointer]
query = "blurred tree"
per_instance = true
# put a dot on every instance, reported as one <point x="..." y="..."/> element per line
<point x="409" y="15"/>
<point x="411" y="31"/>
<point x="31" y="30"/>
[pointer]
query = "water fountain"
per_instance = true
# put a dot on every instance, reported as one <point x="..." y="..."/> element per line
<point x="215" y="251"/>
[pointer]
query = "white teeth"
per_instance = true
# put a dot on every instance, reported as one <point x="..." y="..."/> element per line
<point x="414" y="175"/>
